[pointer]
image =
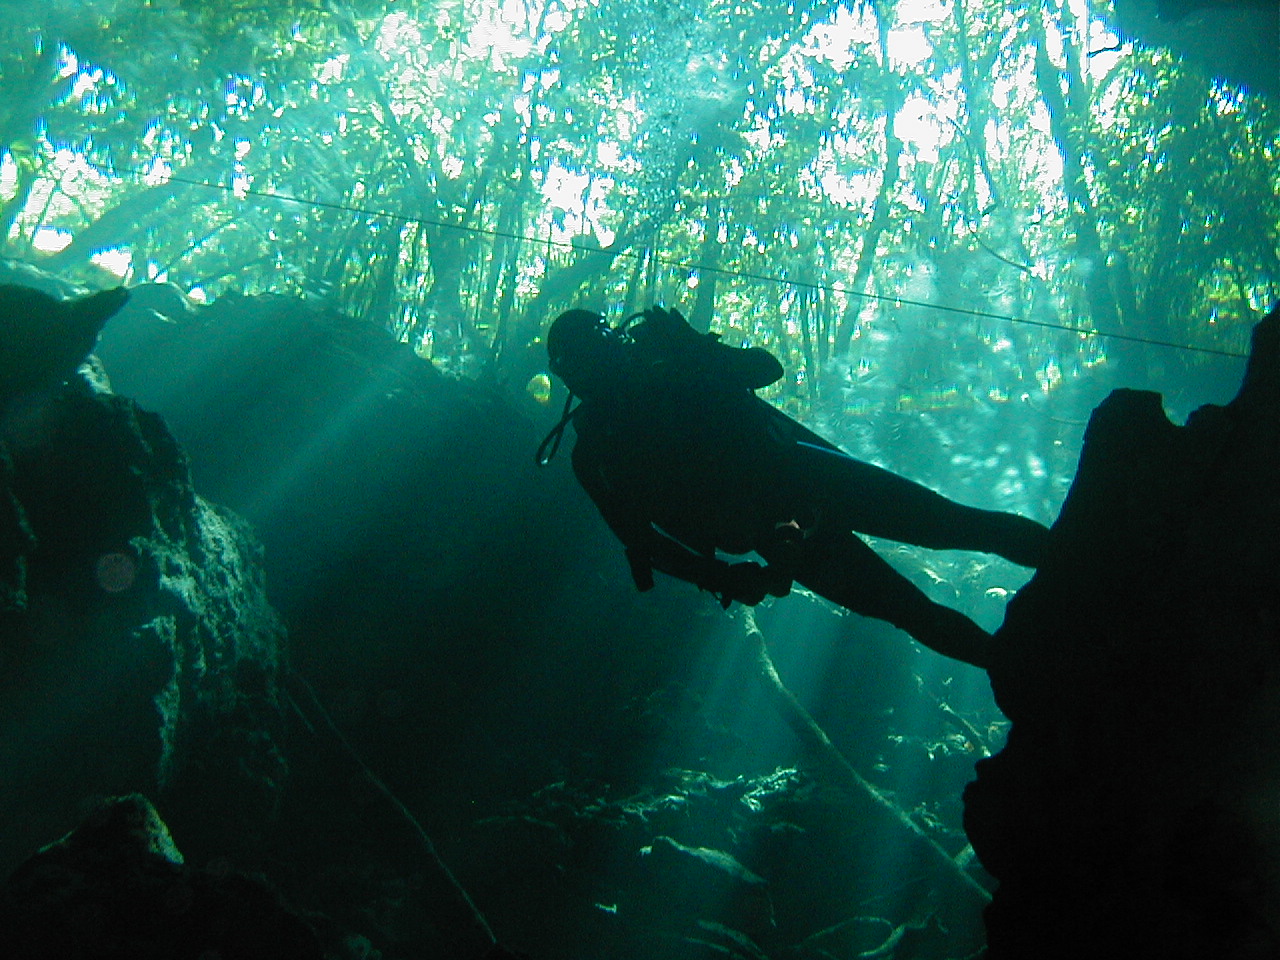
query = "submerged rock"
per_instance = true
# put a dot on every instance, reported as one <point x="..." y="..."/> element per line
<point x="44" y="339"/>
<point x="117" y="887"/>
<point x="1133" y="811"/>
<point x="1232" y="40"/>
<point x="137" y="648"/>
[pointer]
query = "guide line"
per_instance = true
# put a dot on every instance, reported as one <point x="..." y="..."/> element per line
<point x="242" y="192"/>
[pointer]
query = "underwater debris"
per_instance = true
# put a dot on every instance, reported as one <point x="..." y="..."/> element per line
<point x="717" y="860"/>
<point x="834" y="765"/>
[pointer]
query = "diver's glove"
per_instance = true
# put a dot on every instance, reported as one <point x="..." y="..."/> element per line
<point x="750" y="583"/>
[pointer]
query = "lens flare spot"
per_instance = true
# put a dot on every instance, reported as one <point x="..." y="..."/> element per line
<point x="115" y="572"/>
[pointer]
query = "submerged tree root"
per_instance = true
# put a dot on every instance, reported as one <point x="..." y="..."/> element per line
<point x="471" y="929"/>
<point x="839" y="770"/>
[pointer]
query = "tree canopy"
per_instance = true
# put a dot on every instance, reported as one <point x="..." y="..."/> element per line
<point x="820" y="177"/>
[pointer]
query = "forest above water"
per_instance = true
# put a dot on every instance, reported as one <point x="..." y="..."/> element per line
<point x="874" y="191"/>
<point x="958" y="224"/>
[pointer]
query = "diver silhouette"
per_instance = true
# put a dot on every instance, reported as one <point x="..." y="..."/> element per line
<point x="685" y="462"/>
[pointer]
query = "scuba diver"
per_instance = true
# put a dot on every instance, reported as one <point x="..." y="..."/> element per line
<point x="686" y="463"/>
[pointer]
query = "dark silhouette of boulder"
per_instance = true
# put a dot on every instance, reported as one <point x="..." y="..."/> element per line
<point x="116" y="888"/>
<point x="43" y="339"/>
<point x="1133" y="811"/>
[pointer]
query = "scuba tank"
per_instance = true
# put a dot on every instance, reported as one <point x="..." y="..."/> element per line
<point x="663" y="338"/>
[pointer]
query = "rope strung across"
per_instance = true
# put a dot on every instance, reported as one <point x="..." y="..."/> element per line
<point x="673" y="262"/>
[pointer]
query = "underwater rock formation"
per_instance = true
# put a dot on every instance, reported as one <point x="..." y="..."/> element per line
<point x="137" y="648"/>
<point x="335" y="442"/>
<point x="117" y="886"/>
<point x="44" y="339"/>
<point x="1133" y="810"/>
<point x="1233" y="40"/>
<point x="411" y="544"/>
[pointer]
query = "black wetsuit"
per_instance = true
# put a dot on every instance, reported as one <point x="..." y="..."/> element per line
<point x="685" y="466"/>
